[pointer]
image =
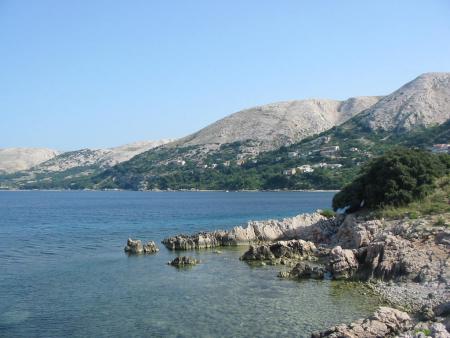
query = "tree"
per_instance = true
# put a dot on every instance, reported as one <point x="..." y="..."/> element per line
<point x="397" y="178"/>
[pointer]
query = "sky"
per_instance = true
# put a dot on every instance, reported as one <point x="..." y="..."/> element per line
<point x="94" y="73"/>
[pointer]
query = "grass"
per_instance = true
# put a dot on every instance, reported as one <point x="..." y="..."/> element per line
<point x="426" y="332"/>
<point x="438" y="202"/>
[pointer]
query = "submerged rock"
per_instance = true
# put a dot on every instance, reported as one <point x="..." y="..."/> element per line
<point x="183" y="261"/>
<point x="384" y="322"/>
<point x="293" y="249"/>
<point x="305" y="270"/>
<point x="135" y="247"/>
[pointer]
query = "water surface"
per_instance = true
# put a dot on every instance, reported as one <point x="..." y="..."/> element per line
<point x="64" y="272"/>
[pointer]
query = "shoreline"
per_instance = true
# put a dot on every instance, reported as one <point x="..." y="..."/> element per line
<point x="165" y="191"/>
<point x="405" y="263"/>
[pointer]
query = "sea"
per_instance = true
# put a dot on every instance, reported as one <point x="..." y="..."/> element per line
<point x="64" y="273"/>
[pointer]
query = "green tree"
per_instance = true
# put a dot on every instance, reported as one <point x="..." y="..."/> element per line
<point x="397" y="178"/>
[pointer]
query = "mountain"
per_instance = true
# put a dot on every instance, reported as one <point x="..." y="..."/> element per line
<point x="304" y="144"/>
<point x="410" y="116"/>
<point x="277" y="124"/>
<point x="70" y="169"/>
<point x="422" y="102"/>
<point x="16" y="159"/>
<point x="99" y="158"/>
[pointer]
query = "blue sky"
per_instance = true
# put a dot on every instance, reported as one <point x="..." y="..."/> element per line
<point x="93" y="73"/>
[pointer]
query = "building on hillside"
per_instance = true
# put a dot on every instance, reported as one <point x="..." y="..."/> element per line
<point x="290" y="172"/>
<point x="292" y="154"/>
<point x="240" y="162"/>
<point x="226" y="163"/>
<point x="440" y="148"/>
<point x="327" y="165"/>
<point x="329" y="151"/>
<point x="305" y="169"/>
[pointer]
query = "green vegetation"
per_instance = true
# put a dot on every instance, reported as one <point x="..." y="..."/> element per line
<point x="328" y="213"/>
<point x="221" y="169"/>
<point x="401" y="182"/>
<point x="426" y="332"/>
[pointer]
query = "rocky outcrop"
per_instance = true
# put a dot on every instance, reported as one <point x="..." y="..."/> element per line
<point x="392" y="257"/>
<point x="311" y="227"/>
<point x="184" y="261"/>
<point x="305" y="270"/>
<point x="293" y="249"/>
<point x="342" y="263"/>
<point x="353" y="234"/>
<point x="135" y="247"/>
<point x="384" y="322"/>
<point x="150" y="247"/>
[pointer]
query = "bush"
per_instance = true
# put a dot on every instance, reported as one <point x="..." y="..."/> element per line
<point x="395" y="179"/>
<point x="328" y="213"/>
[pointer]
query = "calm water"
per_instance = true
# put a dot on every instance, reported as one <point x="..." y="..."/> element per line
<point x="63" y="271"/>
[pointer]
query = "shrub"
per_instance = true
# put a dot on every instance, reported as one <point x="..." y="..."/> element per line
<point x="397" y="178"/>
<point x="328" y="213"/>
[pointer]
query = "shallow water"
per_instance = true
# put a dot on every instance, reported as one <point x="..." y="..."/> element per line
<point x="64" y="272"/>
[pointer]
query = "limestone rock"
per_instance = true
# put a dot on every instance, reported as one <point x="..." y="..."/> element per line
<point x="184" y="261"/>
<point x="438" y="330"/>
<point x="306" y="226"/>
<point x="134" y="247"/>
<point x="342" y="263"/>
<point x="281" y="249"/>
<point x="353" y="234"/>
<point x="305" y="270"/>
<point x="392" y="257"/>
<point x="150" y="247"/>
<point x="384" y="322"/>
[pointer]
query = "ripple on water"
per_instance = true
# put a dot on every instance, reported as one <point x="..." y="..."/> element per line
<point x="72" y="278"/>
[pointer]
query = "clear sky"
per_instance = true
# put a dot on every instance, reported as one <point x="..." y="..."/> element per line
<point x="93" y="73"/>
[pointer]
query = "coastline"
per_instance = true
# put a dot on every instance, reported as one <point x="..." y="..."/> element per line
<point x="402" y="262"/>
<point x="170" y="191"/>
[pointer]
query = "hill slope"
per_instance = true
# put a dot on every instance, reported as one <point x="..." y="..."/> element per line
<point x="422" y="102"/>
<point x="73" y="168"/>
<point x="233" y="166"/>
<point x="277" y="124"/>
<point x="15" y="159"/>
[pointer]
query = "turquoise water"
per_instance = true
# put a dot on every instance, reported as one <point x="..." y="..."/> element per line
<point x="64" y="272"/>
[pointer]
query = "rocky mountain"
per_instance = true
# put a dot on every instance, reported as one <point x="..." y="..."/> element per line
<point x="16" y="159"/>
<point x="100" y="158"/>
<point x="242" y="151"/>
<point x="276" y="124"/>
<point x="422" y="102"/>
<point x="68" y="169"/>
<point x="259" y="148"/>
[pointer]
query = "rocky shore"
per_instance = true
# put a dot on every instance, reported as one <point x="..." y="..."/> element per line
<point x="406" y="262"/>
<point x="305" y="226"/>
